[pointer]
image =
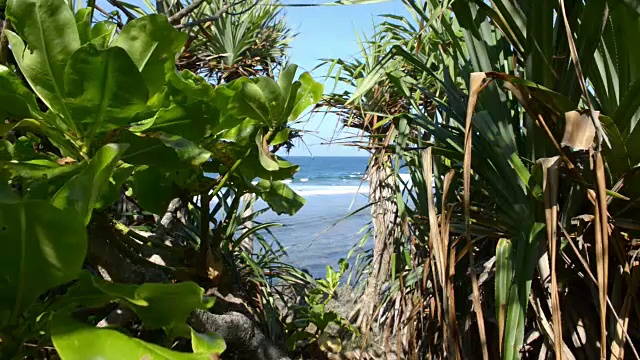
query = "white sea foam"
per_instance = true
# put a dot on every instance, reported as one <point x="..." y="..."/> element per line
<point x="331" y="190"/>
<point x="304" y="180"/>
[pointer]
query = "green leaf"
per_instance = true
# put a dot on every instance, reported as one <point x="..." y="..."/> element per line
<point x="266" y="158"/>
<point x="504" y="275"/>
<point x="188" y="122"/>
<point x="41" y="179"/>
<point x="242" y="132"/>
<point x="49" y="30"/>
<point x="157" y="305"/>
<point x="154" y="189"/>
<point x="111" y="194"/>
<point x="17" y="101"/>
<point x="42" y="247"/>
<point x="616" y="155"/>
<point x="151" y="42"/>
<point x="187" y="151"/>
<point x="310" y="93"/>
<point x="77" y="341"/>
<point x="250" y="101"/>
<point x="523" y="266"/>
<point x="286" y="84"/>
<point x="167" y="151"/>
<point x="105" y="91"/>
<point x="83" y="22"/>
<point x="83" y="190"/>
<point x="102" y="33"/>
<point x="209" y="343"/>
<point x="280" y="197"/>
<point x="281" y="137"/>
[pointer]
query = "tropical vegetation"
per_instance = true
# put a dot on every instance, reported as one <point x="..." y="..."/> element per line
<point x="134" y="145"/>
<point x="111" y="157"/>
<point x="516" y="121"/>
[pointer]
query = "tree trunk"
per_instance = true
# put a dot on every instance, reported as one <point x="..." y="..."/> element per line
<point x="385" y="230"/>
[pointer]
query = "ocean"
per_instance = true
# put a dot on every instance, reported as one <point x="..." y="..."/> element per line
<point x="322" y="232"/>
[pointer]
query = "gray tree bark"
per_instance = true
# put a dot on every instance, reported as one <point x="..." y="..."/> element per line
<point x="239" y="333"/>
<point x="385" y="226"/>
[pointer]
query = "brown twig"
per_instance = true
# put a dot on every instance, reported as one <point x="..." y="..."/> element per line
<point x="224" y="9"/>
<point x="175" y="18"/>
<point x="121" y="7"/>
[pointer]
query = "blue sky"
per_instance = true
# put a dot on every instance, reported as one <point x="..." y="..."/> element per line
<point x="328" y="32"/>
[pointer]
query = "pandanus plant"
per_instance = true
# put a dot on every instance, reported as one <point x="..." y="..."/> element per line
<point x="522" y="206"/>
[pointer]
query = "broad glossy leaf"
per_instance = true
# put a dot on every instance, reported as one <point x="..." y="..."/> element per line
<point x="286" y="80"/>
<point x="104" y="89"/>
<point x="187" y="151"/>
<point x="83" y="22"/>
<point x="83" y="190"/>
<point x="207" y="343"/>
<point x="17" y="101"/>
<point x="111" y="193"/>
<point x="77" y="341"/>
<point x="250" y="101"/>
<point x="157" y="305"/>
<point x="192" y="122"/>
<point x="166" y="151"/>
<point x="41" y="179"/>
<point x="151" y="42"/>
<point x="154" y="189"/>
<point x="102" y="33"/>
<point x="280" y="197"/>
<point x="251" y="168"/>
<point x="267" y="159"/>
<point x="192" y="113"/>
<point x="281" y="137"/>
<point x="48" y="127"/>
<point x="46" y="37"/>
<point x="242" y="132"/>
<point x="309" y="93"/>
<point x="42" y="247"/>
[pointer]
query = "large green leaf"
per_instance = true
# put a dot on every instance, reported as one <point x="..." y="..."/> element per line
<point x="77" y="341"/>
<point x="616" y="155"/>
<point x="152" y="43"/>
<point x="112" y="191"/>
<point x="83" y="22"/>
<point x="157" y="305"/>
<point x="41" y="179"/>
<point x="104" y="89"/>
<point x="267" y="159"/>
<point x="280" y="197"/>
<point x="154" y="189"/>
<point x="309" y="93"/>
<point x="159" y="149"/>
<point x="49" y="37"/>
<point x="258" y="100"/>
<point x="102" y="33"/>
<point x="207" y="343"/>
<point x="17" y="101"/>
<point x="83" y="190"/>
<point x="42" y="247"/>
<point x="518" y="300"/>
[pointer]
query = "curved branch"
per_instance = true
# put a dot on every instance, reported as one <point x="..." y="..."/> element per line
<point x="175" y="18"/>
<point x="213" y="17"/>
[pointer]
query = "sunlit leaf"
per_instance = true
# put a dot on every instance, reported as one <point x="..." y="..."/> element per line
<point x="82" y="192"/>
<point x="43" y="247"/>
